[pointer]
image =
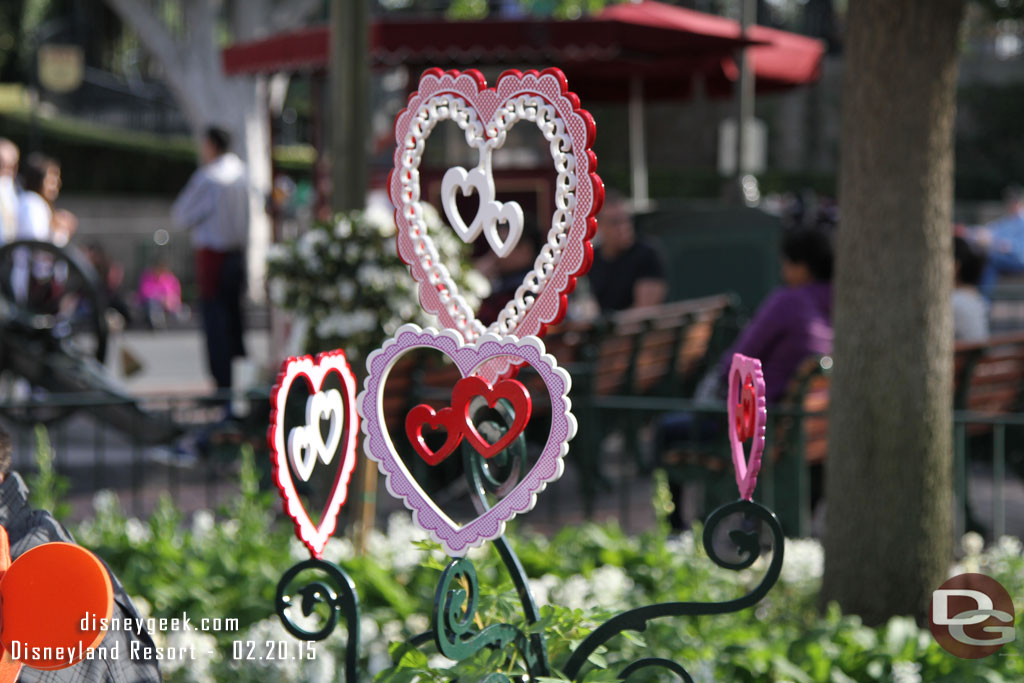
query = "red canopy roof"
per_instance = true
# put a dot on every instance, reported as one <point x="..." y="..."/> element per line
<point x="665" y="46"/>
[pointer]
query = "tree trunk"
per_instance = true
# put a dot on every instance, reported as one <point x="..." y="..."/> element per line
<point x="888" y="539"/>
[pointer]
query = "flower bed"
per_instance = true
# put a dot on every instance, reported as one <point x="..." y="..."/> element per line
<point x="228" y="566"/>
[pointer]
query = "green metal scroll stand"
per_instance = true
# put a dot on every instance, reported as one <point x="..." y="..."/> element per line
<point x="453" y="630"/>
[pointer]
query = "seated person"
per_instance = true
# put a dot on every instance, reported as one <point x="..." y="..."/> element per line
<point x="506" y="274"/>
<point x="970" y="309"/>
<point x="1001" y="241"/>
<point x="792" y="324"/>
<point x="28" y="528"/>
<point x="626" y="272"/>
<point x="159" y="294"/>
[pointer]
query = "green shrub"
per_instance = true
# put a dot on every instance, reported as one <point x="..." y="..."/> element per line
<point x="228" y="566"/>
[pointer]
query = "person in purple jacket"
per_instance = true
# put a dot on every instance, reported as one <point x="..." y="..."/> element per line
<point x="792" y="324"/>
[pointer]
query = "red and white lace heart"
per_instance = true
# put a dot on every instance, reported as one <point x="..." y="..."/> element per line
<point x="306" y="444"/>
<point x="485" y="115"/>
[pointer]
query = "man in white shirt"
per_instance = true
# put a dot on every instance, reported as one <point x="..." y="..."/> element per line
<point x="214" y="206"/>
<point x="8" y="191"/>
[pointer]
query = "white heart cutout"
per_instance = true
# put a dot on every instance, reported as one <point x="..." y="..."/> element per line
<point x="301" y="452"/>
<point x="325" y="404"/>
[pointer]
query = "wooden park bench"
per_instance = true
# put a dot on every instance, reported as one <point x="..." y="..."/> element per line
<point x="656" y="351"/>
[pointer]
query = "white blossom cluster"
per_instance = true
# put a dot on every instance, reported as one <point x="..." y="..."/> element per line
<point x="348" y="286"/>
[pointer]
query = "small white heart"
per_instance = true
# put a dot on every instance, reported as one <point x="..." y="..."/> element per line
<point x="457" y="178"/>
<point x="325" y="405"/>
<point x="507" y="212"/>
<point x="301" y="452"/>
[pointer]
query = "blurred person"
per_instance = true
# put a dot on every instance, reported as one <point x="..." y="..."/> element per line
<point x="1001" y="241"/>
<point x="38" y="218"/>
<point x="792" y="324"/>
<point x="159" y="294"/>
<point x="626" y="272"/>
<point x="214" y="206"/>
<point x="28" y="528"/>
<point x="970" y="308"/>
<point x="506" y="274"/>
<point x="8" y="191"/>
<point x="111" y="277"/>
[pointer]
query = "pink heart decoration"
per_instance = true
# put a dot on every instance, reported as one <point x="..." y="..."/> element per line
<point x="314" y="372"/>
<point x="485" y="115"/>
<point x="378" y="446"/>
<point x="747" y="418"/>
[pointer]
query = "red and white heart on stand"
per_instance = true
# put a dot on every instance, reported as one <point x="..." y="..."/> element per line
<point x="748" y="415"/>
<point x="305" y="445"/>
<point x="378" y="445"/>
<point x="485" y="115"/>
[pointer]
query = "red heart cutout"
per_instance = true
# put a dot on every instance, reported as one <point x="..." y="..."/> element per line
<point x="425" y="415"/>
<point x="509" y="389"/>
<point x="747" y="406"/>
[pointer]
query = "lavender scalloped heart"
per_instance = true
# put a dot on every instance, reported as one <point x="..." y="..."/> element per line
<point x="378" y="446"/>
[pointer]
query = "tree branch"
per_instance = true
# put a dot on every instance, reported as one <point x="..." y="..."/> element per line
<point x="292" y="13"/>
<point x="153" y="33"/>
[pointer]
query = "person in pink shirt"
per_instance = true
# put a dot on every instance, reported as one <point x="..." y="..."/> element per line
<point x="159" y="294"/>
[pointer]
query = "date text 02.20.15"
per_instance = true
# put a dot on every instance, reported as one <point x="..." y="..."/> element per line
<point x="272" y="650"/>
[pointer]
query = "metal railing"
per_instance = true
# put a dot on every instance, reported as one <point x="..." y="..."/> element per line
<point x="198" y="468"/>
<point x="171" y="444"/>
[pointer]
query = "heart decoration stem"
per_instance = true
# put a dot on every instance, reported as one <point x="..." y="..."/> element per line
<point x="378" y="445"/>
<point x="306" y="444"/>
<point x="486" y="115"/>
<point x="748" y="415"/>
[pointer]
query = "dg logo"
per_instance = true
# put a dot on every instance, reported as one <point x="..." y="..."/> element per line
<point x="972" y="616"/>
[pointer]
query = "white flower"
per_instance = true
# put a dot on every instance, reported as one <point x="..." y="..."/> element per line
<point x="203" y="523"/>
<point x="906" y="672"/>
<point x="105" y="502"/>
<point x="1008" y="546"/>
<point x="573" y="593"/>
<point x="478" y="285"/>
<point x="347" y="290"/>
<point x="804" y="560"/>
<point x="611" y="586"/>
<point x="972" y="543"/>
<point x="338" y="550"/>
<point x="417" y="623"/>
<point x="542" y="588"/>
<point x="230" y="528"/>
<point x="136" y="531"/>
<point x="343" y="228"/>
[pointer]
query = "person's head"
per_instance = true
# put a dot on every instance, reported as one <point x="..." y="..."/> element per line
<point x="969" y="262"/>
<point x="615" y="223"/>
<point x="41" y="174"/>
<point x="5" y="453"/>
<point x="8" y="158"/>
<point x="806" y="256"/>
<point x="216" y="141"/>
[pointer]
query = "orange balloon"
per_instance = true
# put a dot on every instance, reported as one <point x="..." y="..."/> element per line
<point x="48" y="595"/>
